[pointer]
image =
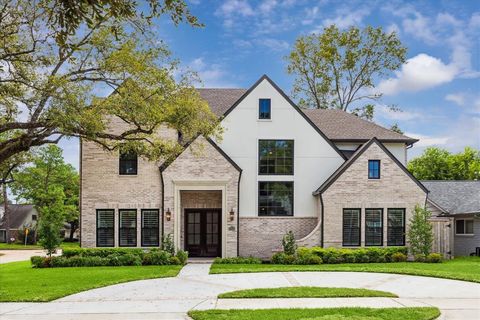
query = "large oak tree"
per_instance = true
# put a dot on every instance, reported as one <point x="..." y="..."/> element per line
<point x="59" y="59"/>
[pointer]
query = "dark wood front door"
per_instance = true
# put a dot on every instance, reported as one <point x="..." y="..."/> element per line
<point x="203" y="232"/>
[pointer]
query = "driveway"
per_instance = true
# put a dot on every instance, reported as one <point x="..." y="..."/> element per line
<point x="194" y="288"/>
<point x="18" y="255"/>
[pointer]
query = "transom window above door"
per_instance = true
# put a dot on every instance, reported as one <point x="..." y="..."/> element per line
<point x="275" y="157"/>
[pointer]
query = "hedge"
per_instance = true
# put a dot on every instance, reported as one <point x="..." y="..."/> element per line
<point x="360" y="255"/>
<point x="110" y="257"/>
<point x="237" y="260"/>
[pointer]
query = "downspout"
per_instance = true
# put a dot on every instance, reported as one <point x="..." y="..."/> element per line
<point x="321" y="206"/>
<point x="80" y="195"/>
<point x="163" y="204"/>
<point x="238" y="213"/>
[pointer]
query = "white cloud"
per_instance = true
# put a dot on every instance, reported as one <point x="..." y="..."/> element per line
<point x="474" y="20"/>
<point x="457" y="98"/>
<point x="235" y="7"/>
<point x="448" y="20"/>
<point x="393" y="28"/>
<point x="385" y="112"/>
<point x="428" y="141"/>
<point x="212" y="75"/>
<point x="267" y="6"/>
<point x="419" y="73"/>
<point x="346" y="18"/>
<point x="274" y="44"/>
<point x="419" y="27"/>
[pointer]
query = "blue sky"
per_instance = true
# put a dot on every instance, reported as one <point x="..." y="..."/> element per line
<point x="438" y="89"/>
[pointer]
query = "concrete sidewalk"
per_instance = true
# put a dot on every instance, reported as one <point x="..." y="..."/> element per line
<point x="194" y="288"/>
<point x="19" y="255"/>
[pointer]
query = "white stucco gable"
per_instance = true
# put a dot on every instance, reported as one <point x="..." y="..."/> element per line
<point x="315" y="157"/>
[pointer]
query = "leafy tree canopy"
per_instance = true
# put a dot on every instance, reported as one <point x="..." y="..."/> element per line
<point x="440" y="164"/>
<point x="59" y="59"/>
<point x="337" y="69"/>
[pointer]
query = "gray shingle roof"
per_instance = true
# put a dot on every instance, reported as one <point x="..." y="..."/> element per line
<point x="18" y="215"/>
<point x="455" y="196"/>
<point x="337" y="125"/>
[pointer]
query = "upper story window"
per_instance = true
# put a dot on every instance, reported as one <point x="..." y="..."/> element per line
<point x="264" y="109"/>
<point x="128" y="163"/>
<point x="373" y="169"/>
<point x="275" y="157"/>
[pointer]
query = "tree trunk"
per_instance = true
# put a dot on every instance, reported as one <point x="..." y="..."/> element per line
<point x="73" y="228"/>
<point x="6" y="214"/>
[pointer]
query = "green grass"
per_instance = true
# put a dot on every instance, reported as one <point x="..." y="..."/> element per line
<point x="19" y="246"/>
<point x="464" y="268"/>
<point x="320" y="314"/>
<point x="305" y="292"/>
<point x="20" y="282"/>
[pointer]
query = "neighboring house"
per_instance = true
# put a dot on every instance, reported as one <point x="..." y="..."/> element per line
<point x="459" y="202"/>
<point x="20" y="216"/>
<point x="333" y="179"/>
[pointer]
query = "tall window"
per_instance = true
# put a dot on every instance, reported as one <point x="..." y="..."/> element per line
<point x="150" y="228"/>
<point x="275" y="198"/>
<point x="396" y="227"/>
<point x="127" y="232"/>
<point x="105" y="228"/>
<point x="463" y="226"/>
<point x="128" y="163"/>
<point x="373" y="169"/>
<point x="351" y="227"/>
<point x="264" y="109"/>
<point x="373" y="227"/>
<point x="275" y="157"/>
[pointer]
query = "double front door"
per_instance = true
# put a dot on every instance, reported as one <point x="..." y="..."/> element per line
<point x="203" y="232"/>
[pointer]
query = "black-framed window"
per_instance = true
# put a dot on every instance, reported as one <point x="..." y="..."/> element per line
<point x="351" y="227"/>
<point x="396" y="227"/>
<point x="275" y="198"/>
<point x="373" y="169"/>
<point x="150" y="228"/>
<point x="275" y="157"/>
<point x="127" y="231"/>
<point x="373" y="227"/>
<point x="105" y="228"/>
<point x="464" y="226"/>
<point x="128" y="163"/>
<point x="264" y="109"/>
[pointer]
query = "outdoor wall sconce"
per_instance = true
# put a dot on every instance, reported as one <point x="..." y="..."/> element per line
<point x="232" y="214"/>
<point x="168" y="215"/>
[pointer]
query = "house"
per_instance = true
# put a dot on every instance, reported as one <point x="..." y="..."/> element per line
<point x="457" y="203"/>
<point x="333" y="179"/>
<point x="21" y="216"/>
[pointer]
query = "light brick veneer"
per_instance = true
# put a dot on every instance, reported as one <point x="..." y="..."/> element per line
<point x="262" y="236"/>
<point x="201" y="164"/>
<point x="353" y="189"/>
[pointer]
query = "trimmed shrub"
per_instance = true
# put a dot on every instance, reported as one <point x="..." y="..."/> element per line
<point x="182" y="256"/>
<point x="101" y="252"/>
<point x="398" y="257"/>
<point x="307" y="258"/>
<point x="237" y="260"/>
<point x="156" y="257"/>
<point x="38" y="262"/>
<point x="434" y="258"/>
<point x="419" y="257"/>
<point x="283" y="258"/>
<point x="174" y="260"/>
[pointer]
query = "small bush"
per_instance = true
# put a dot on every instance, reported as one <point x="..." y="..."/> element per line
<point x="37" y="261"/>
<point x="419" y="257"/>
<point x="157" y="257"/>
<point x="174" y="260"/>
<point x="289" y="244"/>
<point x="101" y="252"/>
<point x="182" y="256"/>
<point x="238" y="260"/>
<point x="434" y="258"/>
<point x="282" y="258"/>
<point x="398" y="257"/>
<point x="307" y="258"/>
<point x="167" y="244"/>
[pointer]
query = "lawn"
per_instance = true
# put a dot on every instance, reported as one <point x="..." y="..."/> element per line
<point x="19" y="246"/>
<point x="305" y="292"/>
<point x="320" y="314"/>
<point x="464" y="268"/>
<point x="20" y="282"/>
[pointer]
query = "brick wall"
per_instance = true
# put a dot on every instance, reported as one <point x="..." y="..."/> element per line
<point x="353" y="189"/>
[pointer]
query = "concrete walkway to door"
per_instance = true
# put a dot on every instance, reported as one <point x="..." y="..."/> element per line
<point x="194" y="288"/>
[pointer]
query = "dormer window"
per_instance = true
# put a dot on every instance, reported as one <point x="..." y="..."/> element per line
<point x="128" y="163"/>
<point x="373" y="169"/>
<point x="264" y="108"/>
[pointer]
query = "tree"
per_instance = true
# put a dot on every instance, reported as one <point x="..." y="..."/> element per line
<point x="420" y="233"/>
<point x="440" y="164"/>
<point x="52" y="186"/>
<point x="53" y="73"/>
<point x="396" y="128"/>
<point x="337" y="69"/>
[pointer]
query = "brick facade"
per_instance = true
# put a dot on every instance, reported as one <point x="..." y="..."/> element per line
<point x="353" y="189"/>
<point x="262" y="236"/>
<point x="202" y="167"/>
